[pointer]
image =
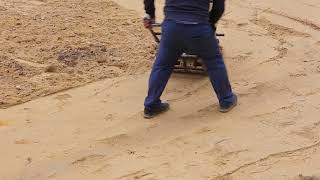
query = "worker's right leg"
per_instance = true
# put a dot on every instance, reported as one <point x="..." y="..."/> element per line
<point x="170" y="50"/>
<point x="203" y="42"/>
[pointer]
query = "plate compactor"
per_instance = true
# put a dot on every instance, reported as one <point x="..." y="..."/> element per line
<point x="187" y="63"/>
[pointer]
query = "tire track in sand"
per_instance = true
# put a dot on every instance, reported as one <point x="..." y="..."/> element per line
<point x="278" y="33"/>
<point x="305" y="22"/>
<point x="266" y="158"/>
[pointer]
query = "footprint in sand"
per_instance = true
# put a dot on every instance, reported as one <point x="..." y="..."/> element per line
<point x="2" y="8"/>
<point x="302" y="177"/>
<point x="93" y="163"/>
<point x="115" y="140"/>
<point x="63" y="97"/>
<point x="287" y="123"/>
<point x="108" y="118"/>
<point x="242" y="24"/>
<point x="137" y="175"/>
<point x="309" y="132"/>
<point x="204" y="130"/>
<point x="318" y="69"/>
<point x="93" y="158"/>
<point x="297" y="75"/>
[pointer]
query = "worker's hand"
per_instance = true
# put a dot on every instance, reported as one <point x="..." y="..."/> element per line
<point x="148" y="21"/>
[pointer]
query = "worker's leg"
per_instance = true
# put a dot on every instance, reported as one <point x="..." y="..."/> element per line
<point x="203" y="42"/>
<point x="169" y="51"/>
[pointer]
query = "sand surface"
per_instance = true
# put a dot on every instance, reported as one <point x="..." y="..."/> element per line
<point x="96" y="131"/>
<point x="48" y="46"/>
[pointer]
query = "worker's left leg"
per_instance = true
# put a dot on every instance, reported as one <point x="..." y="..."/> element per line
<point x="203" y="42"/>
<point x="169" y="51"/>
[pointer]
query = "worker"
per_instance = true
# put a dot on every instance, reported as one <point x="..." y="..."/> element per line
<point x="187" y="25"/>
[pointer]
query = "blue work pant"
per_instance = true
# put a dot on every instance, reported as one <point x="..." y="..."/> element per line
<point x="198" y="39"/>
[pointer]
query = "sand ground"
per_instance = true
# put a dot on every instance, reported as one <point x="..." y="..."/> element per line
<point x="48" y="46"/>
<point x="97" y="132"/>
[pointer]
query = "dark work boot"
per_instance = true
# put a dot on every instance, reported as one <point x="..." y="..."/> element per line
<point x="229" y="107"/>
<point x="152" y="112"/>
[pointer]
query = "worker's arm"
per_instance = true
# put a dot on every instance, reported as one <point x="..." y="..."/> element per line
<point x="149" y="7"/>
<point x="217" y="11"/>
<point x="150" y="16"/>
